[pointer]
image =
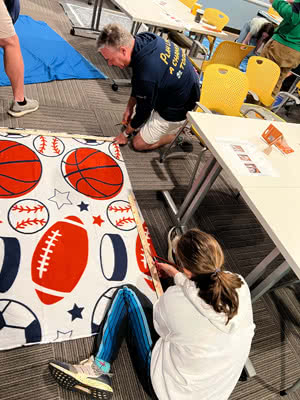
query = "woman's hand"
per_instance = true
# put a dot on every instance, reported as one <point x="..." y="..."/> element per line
<point x="166" y="268"/>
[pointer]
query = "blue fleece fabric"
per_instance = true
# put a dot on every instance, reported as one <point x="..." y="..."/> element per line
<point x="47" y="56"/>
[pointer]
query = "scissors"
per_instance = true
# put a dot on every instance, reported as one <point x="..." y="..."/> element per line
<point x="160" y="259"/>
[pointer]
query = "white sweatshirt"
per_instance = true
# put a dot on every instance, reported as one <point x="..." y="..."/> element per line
<point x="197" y="355"/>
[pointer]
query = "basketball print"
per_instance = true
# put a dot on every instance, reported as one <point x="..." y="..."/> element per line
<point x="28" y="216"/>
<point x="120" y="215"/>
<point x="115" y="151"/>
<point x="92" y="173"/>
<point x="49" y="146"/>
<point x="21" y="169"/>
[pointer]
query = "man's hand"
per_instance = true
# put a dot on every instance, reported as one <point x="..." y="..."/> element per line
<point x="121" y="139"/>
<point x="127" y="116"/>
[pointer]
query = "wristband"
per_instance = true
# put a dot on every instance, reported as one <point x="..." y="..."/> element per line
<point x="126" y="134"/>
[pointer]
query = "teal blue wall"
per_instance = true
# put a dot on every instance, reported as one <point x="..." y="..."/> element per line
<point x="239" y="11"/>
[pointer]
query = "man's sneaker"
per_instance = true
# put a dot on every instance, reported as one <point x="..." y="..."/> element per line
<point x="86" y="378"/>
<point x="172" y="242"/>
<point x="16" y="110"/>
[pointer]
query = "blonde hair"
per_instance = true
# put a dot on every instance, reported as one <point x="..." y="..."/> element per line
<point x="114" y="35"/>
<point x="201" y="254"/>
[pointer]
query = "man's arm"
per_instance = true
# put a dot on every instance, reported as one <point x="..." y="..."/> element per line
<point x="285" y="10"/>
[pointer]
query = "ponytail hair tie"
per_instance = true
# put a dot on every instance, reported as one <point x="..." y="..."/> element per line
<point x="217" y="270"/>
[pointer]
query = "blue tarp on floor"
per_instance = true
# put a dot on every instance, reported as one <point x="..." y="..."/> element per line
<point x="47" y="56"/>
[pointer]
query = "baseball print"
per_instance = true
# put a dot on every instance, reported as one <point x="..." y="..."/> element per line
<point x="68" y="236"/>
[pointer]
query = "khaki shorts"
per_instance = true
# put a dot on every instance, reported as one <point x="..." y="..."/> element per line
<point x="6" y="25"/>
<point x="156" y="127"/>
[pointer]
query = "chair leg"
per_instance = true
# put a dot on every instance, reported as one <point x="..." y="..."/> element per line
<point x="293" y="388"/>
<point x="165" y="153"/>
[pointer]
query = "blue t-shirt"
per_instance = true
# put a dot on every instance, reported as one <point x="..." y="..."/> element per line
<point x="13" y="7"/>
<point x="163" y="79"/>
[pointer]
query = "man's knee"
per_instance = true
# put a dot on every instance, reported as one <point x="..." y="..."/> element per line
<point x="139" y="144"/>
<point x="10" y="41"/>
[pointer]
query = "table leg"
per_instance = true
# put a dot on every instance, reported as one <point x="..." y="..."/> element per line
<point x="201" y="193"/>
<point x="193" y="49"/>
<point x="177" y="214"/>
<point x="99" y="11"/>
<point x="261" y="267"/>
<point x="270" y="281"/>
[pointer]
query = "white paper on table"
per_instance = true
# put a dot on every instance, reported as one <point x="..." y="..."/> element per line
<point x="246" y="159"/>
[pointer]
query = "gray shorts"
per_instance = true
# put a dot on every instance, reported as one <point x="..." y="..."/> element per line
<point x="6" y="25"/>
<point x="156" y="127"/>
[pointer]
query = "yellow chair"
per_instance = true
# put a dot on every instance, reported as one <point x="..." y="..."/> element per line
<point x="189" y="3"/>
<point x="223" y="92"/>
<point x="263" y="74"/>
<point x="228" y="53"/>
<point x="224" y="89"/>
<point x="217" y="18"/>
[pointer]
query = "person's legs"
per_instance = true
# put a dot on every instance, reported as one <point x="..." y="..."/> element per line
<point x="244" y="32"/>
<point x="13" y="65"/>
<point x="129" y="316"/>
<point x="285" y="57"/>
<point x="155" y="133"/>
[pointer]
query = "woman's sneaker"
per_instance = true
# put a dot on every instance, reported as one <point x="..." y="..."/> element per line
<point x="86" y="378"/>
<point x="16" y="110"/>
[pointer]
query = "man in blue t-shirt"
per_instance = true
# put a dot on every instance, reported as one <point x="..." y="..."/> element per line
<point x="165" y="85"/>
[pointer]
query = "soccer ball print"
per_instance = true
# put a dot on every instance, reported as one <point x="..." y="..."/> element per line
<point x="68" y="237"/>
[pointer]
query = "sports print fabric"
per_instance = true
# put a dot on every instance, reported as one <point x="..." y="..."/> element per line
<point x="68" y="237"/>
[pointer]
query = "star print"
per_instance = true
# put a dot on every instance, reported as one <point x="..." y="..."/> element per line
<point x="98" y="220"/>
<point x="60" y="198"/>
<point x="83" y="206"/>
<point x="76" y="312"/>
<point x="63" y="335"/>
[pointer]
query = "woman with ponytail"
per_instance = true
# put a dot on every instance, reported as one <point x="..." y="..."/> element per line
<point x="205" y="323"/>
<point x="191" y="344"/>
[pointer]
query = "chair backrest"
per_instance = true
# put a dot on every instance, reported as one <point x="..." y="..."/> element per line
<point x="224" y="90"/>
<point x="215" y="17"/>
<point x="263" y="74"/>
<point x="189" y="3"/>
<point x="228" y="53"/>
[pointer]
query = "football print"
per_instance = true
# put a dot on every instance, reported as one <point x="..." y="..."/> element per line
<point x="120" y="215"/>
<point x="140" y="256"/>
<point x="59" y="259"/>
<point x="49" y="146"/>
<point x="28" y="216"/>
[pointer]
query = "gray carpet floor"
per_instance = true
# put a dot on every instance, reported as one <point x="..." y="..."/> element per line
<point x="91" y="107"/>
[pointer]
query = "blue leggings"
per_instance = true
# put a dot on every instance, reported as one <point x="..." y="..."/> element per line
<point x="130" y="316"/>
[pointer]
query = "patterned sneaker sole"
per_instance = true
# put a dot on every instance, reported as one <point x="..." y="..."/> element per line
<point x="21" y="113"/>
<point x="67" y="380"/>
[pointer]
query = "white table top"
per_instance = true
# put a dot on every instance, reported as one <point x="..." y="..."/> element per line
<point x="174" y="15"/>
<point x="271" y="18"/>
<point x="278" y="211"/>
<point x="212" y="127"/>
